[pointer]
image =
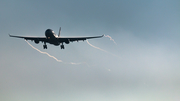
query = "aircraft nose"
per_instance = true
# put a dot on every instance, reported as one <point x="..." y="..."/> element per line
<point x="49" y="33"/>
<point x="48" y="30"/>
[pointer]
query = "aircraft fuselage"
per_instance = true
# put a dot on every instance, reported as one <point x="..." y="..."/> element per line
<point x="51" y="36"/>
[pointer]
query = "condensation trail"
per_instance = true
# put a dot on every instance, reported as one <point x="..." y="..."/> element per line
<point x="96" y="47"/>
<point x="101" y="49"/>
<point x="73" y="63"/>
<point x="44" y="53"/>
<point x="110" y="38"/>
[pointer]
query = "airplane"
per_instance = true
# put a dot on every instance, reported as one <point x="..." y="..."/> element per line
<point x="52" y="38"/>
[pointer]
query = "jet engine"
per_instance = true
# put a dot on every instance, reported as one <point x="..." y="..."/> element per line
<point x="67" y="41"/>
<point x="36" y="41"/>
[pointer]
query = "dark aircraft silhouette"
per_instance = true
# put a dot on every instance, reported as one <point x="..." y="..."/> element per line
<point x="51" y="38"/>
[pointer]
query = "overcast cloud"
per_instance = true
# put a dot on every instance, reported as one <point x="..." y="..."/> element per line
<point x="145" y="66"/>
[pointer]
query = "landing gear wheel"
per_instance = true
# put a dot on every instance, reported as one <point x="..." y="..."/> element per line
<point x="45" y="46"/>
<point x="62" y="46"/>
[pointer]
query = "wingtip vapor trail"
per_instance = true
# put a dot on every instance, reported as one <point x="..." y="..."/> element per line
<point x="44" y="53"/>
<point x="110" y="38"/>
<point x="72" y="63"/>
<point x="101" y="49"/>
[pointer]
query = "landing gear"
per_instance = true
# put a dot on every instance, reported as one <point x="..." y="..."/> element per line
<point x="62" y="46"/>
<point x="45" y="46"/>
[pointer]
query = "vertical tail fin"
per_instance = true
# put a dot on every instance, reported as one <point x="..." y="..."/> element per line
<point x="59" y="32"/>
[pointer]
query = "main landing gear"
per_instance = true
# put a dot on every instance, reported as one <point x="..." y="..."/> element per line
<point x="62" y="46"/>
<point x="45" y="46"/>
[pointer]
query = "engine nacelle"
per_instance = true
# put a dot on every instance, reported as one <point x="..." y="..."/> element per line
<point x="36" y="41"/>
<point x="67" y="42"/>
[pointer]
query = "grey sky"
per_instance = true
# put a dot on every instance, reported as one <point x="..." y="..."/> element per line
<point x="146" y="67"/>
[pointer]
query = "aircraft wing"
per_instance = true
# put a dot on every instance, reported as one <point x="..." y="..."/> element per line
<point x="59" y="39"/>
<point x="71" y="39"/>
<point x="30" y="38"/>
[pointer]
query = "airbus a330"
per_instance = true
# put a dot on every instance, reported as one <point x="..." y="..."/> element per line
<point x="52" y="38"/>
